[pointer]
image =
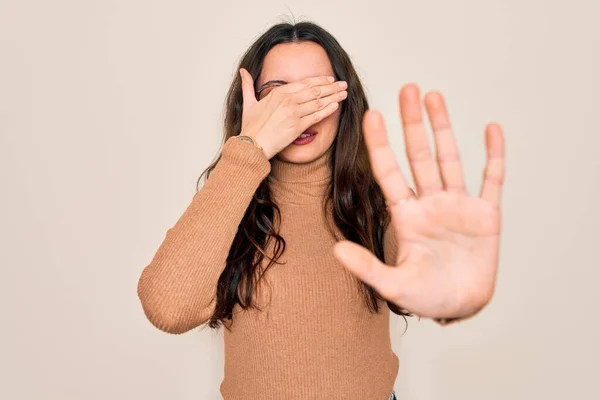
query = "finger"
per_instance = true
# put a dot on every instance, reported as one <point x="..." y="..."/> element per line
<point x="319" y="91"/>
<point x="366" y="267"/>
<point x="297" y="86"/>
<point x="248" y="94"/>
<point x="422" y="164"/>
<point x="384" y="164"/>
<point x="493" y="177"/>
<point x="309" y="120"/>
<point x="320" y="103"/>
<point x="448" y="156"/>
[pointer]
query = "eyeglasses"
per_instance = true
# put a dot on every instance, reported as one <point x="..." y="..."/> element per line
<point x="268" y="88"/>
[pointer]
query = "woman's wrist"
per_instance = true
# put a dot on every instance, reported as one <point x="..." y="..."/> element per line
<point x="448" y="321"/>
<point x="252" y="140"/>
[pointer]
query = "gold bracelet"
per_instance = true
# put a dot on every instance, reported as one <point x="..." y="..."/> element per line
<point x="250" y="139"/>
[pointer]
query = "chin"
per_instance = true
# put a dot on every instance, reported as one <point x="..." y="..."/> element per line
<point x="301" y="154"/>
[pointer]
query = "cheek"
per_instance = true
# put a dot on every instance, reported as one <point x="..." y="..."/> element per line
<point x="329" y="126"/>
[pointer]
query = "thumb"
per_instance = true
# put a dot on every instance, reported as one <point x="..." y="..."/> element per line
<point x="366" y="266"/>
<point x="248" y="95"/>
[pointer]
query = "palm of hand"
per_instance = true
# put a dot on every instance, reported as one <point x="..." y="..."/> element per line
<point x="447" y="241"/>
<point x="448" y="251"/>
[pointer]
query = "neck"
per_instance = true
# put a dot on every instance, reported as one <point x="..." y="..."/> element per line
<point x="300" y="183"/>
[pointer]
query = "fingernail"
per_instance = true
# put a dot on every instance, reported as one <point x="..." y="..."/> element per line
<point x="343" y="84"/>
<point x="343" y="94"/>
<point x="330" y="78"/>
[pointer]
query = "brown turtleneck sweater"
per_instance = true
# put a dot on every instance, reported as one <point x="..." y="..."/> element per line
<point x="315" y="337"/>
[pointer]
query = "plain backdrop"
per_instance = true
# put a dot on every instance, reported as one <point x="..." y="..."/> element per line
<point x="110" y="110"/>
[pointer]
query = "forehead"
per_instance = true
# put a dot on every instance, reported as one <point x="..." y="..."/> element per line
<point x="294" y="61"/>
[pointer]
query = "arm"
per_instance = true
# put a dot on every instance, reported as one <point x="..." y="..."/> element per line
<point x="178" y="287"/>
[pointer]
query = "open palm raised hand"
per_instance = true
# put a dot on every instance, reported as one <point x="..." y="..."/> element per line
<point x="448" y="241"/>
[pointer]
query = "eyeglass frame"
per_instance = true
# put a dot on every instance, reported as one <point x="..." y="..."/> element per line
<point x="267" y="85"/>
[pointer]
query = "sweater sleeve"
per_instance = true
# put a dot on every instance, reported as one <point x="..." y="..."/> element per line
<point x="177" y="289"/>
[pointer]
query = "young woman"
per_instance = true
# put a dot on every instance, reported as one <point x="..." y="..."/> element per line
<point x="305" y="233"/>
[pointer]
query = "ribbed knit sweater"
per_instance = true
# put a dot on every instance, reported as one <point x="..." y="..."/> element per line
<point x="314" y="337"/>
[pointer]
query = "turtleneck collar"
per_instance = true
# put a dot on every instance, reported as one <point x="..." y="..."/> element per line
<point x="300" y="183"/>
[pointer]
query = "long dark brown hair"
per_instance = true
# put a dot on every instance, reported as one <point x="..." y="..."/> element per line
<point x="354" y="197"/>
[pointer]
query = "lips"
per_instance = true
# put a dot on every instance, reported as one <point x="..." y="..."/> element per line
<point x="306" y="137"/>
<point x="308" y="133"/>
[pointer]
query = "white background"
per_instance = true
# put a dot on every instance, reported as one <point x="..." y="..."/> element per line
<point x="109" y="111"/>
